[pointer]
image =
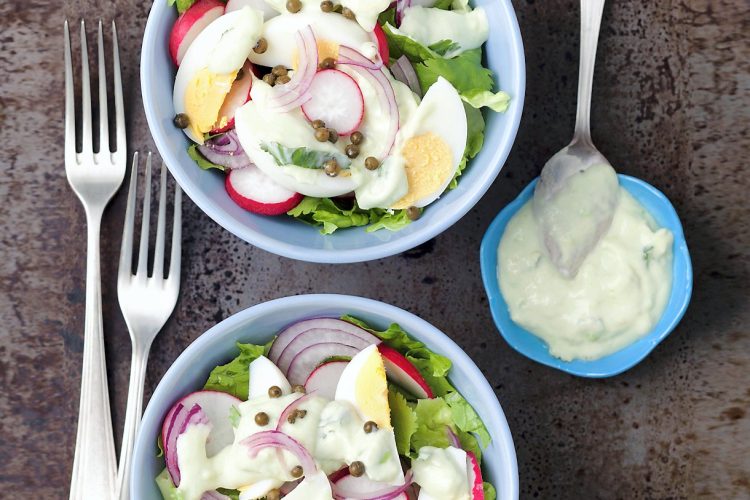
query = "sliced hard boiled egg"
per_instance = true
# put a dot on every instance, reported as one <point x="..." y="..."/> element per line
<point x="314" y="487"/>
<point x="363" y="384"/>
<point x="366" y="11"/>
<point x="264" y="375"/>
<point x="432" y="144"/>
<point x="210" y="66"/>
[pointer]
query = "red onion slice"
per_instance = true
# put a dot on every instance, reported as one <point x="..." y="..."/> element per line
<point x="225" y="150"/>
<point x="452" y="438"/>
<point x="181" y="419"/>
<point x="295" y="93"/>
<point x="347" y="55"/>
<point x="404" y="72"/>
<point x="388" y="493"/>
<point x="290" y="408"/>
<point x="401" y="6"/>
<point x="214" y="495"/>
<point x="277" y="439"/>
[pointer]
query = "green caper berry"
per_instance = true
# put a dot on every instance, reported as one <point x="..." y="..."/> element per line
<point x="269" y="79"/>
<point x="293" y="6"/>
<point x="348" y="13"/>
<point x="181" y="120"/>
<point x="321" y="134"/>
<point x="283" y="79"/>
<point x="331" y="168"/>
<point x="261" y="46"/>
<point x="371" y="163"/>
<point x="338" y="8"/>
<point x="356" y="468"/>
<point x="326" y="6"/>
<point x="273" y="495"/>
<point x="327" y="63"/>
<point x="370" y="426"/>
<point x="357" y="137"/>
<point x="413" y="213"/>
<point x="333" y="136"/>
<point x="297" y="471"/>
<point x="292" y="418"/>
<point x="274" y="391"/>
<point x="301" y="413"/>
<point x="261" y="418"/>
<point x="299" y="388"/>
<point x="352" y="151"/>
<point x="318" y="124"/>
<point x="279" y="70"/>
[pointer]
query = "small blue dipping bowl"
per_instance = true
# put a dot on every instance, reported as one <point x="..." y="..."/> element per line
<point x="285" y="236"/>
<point x="259" y="323"/>
<point x="535" y="348"/>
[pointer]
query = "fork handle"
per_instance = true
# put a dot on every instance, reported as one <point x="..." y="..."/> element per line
<point x="132" y="418"/>
<point x="94" y="465"/>
<point x="591" y="19"/>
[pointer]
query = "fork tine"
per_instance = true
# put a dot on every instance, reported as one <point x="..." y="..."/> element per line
<point x="142" y="269"/>
<point x="160" y="230"/>
<point x="86" y="137"/>
<point x="103" y="116"/>
<point x="70" y="111"/>
<point x="175" y="258"/>
<point x="126" y="249"/>
<point x="119" y="110"/>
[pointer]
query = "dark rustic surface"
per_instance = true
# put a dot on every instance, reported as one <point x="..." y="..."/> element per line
<point x="670" y="106"/>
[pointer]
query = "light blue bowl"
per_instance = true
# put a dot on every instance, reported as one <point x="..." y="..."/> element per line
<point x="259" y="323"/>
<point x="284" y="236"/>
<point x="535" y="348"/>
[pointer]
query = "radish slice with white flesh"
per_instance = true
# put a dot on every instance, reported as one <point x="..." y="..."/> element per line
<point x="264" y="374"/>
<point x="324" y="379"/>
<point x="476" y="483"/>
<point x="318" y="336"/>
<point x="189" y="24"/>
<point x="261" y="5"/>
<point x="403" y="373"/>
<point x="290" y="333"/>
<point x="254" y="191"/>
<point x="306" y="361"/>
<point x="337" y="100"/>
<point x="238" y="95"/>
<point x="351" y="487"/>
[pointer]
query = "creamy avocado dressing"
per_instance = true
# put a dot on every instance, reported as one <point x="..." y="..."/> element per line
<point x="467" y="30"/>
<point x="617" y="296"/>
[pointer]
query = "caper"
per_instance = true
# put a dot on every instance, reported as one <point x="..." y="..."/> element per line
<point x="326" y="6"/>
<point x="413" y="213"/>
<point x="352" y="150"/>
<point x="293" y="6"/>
<point x="318" y="124"/>
<point x="370" y="426"/>
<point x="331" y="167"/>
<point x="356" y="137"/>
<point x="261" y="46"/>
<point x="274" y="391"/>
<point x="356" y="468"/>
<point x="348" y="13"/>
<point x="269" y="79"/>
<point x="321" y="134"/>
<point x="283" y="79"/>
<point x="327" y="63"/>
<point x="181" y="120"/>
<point x="337" y="8"/>
<point x="292" y="417"/>
<point x="273" y="495"/>
<point x="297" y="471"/>
<point x="301" y="413"/>
<point x="279" y="70"/>
<point x="261" y="418"/>
<point x="371" y="163"/>
<point x="298" y="388"/>
<point x="333" y="136"/>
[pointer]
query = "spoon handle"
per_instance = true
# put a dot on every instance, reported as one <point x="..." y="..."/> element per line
<point x="591" y="18"/>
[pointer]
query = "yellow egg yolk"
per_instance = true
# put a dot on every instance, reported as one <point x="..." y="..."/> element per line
<point x="429" y="163"/>
<point x="371" y="390"/>
<point x="326" y="48"/>
<point x="203" y="99"/>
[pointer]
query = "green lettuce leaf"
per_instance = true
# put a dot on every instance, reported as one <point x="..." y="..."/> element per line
<point x="403" y="420"/>
<point x="489" y="491"/>
<point x="433" y="416"/>
<point x="474" y="140"/>
<point x="393" y="220"/>
<point x="466" y="418"/>
<point x="496" y="101"/>
<point x="182" y="5"/>
<point x="465" y="72"/>
<point x="303" y="157"/>
<point x="167" y="488"/>
<point x="444" y="46"/>
<point x="201" y="160"/>
<point x="325" y="212"/>
<point x="234" y="377"/>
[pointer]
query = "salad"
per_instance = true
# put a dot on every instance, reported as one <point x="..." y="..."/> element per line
<point x="330" y="408"/>
<point x="340" y="114"/>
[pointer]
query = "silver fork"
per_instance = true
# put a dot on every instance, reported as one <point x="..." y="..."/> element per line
<point x="146" y="301"/>
<point x="94" y="177"/>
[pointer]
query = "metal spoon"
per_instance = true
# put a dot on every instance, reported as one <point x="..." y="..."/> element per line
<point x="573" y="220"/>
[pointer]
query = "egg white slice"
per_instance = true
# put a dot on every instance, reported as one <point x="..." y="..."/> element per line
<point x="264" y="374"/>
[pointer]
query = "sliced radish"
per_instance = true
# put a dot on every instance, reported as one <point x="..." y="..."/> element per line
<point x="238" y="95"/>
<point x="324" y="379"/>
<point x="290" y="333"/>
<point x="356" y="486"/>
<point x="189" y="24"/>
<point x="261" y="5"/>
<point x="402" y="372"/>
<point x="306" y="361"/>
<point x="318" y="336"/>
<point x="337" y="100"/>
<point x="476" y="483"/>
<point x="256" y="192"/>
<point x="382" y="43"/>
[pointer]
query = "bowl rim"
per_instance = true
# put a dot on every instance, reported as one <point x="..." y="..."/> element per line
<point x="593" y="368"/>
<point x="393" y="246"/>
<point x="496" y="419"/>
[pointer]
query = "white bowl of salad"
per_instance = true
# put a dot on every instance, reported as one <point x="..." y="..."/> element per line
<point x="322" y="397"/>
<point x="333" y="131"/>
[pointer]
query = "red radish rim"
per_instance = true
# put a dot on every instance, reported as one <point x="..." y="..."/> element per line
<point x="389" y="353"/>
<point x="259" y="207"/>
<point x="387" y="493"/>
<point x="290" y="408"/>
<point x="197" y="11"/>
